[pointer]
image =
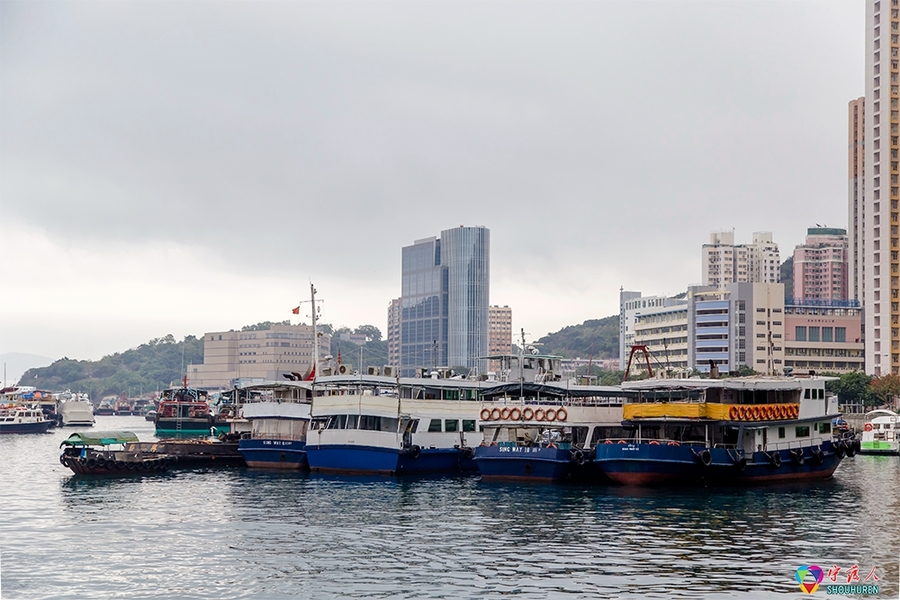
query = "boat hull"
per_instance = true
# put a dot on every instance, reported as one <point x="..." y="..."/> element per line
<point x="647" y="464"/>
<point x="96" y="464"/>
<point x="174" y="427"/>
<point x="523" y="463"/>
<point x="879" y="448"/>
<point x="35" y="427"/>
<point x="374" y="460"/>
<point x="274" y="454"/>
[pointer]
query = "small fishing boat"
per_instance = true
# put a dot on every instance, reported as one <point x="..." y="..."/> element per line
<point x="106" y="453"/>
<point x="881" y="433"/>
<point x="183" y="411"/>
<point x="23" y="419"/>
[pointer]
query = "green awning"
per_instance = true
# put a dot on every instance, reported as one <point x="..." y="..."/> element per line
<point x="99" y="438"/>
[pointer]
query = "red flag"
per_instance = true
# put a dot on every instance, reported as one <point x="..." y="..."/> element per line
<point x="296" y="311"/>
<point x="339" y="357"/>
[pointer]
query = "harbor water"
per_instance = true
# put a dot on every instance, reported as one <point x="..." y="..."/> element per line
<point x="240" y="533"/>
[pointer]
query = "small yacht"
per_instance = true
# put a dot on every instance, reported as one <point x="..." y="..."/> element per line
<point x="23" y="419"/>
<point x="75" y="410"/>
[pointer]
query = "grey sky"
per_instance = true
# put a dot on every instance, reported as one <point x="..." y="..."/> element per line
<point x="181" y="167"/>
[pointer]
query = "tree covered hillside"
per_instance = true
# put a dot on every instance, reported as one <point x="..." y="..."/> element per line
<point x="595" y="337"/>
<point x="149" y="367"/>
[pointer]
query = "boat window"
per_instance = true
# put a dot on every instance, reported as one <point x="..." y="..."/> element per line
<point x="781" y="432"/>
<point x="451" y="425"/>
<point x="369" y="422"/>
<point x="318" y="423"/>
<point x="434" y="426"/>
<point x="389" y="424"/>
<point x="806" y="393"/>
<point x="824" y="427"/>
<point x="579" y="435"/>
<point x="802" y="431"/>
<point x="468" y="425"/>
<point x="352" y="421"/>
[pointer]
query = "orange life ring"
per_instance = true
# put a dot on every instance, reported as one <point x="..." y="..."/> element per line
<point x="654" y="443"/>
<point x="528" y="413"/>
<point x="539" y="414"/>
<point x="504" y="413"/>
<point x="515" y="414"/>
<point x="674" y="443"/>
<point x="551" y="415"/>
<point x="755" y="413"/>
<point x="796" y="410"/>
<point x="551" y="445"/>
<point x="485" y="414"/>
<point x="779" y="411"/>
<point x="868" y="427"/>
<point x="623" y="441"/>
<point x="770" y="413"/>
<point x="734" y="413"/>
<point x="495" y="414"/>
<point x="743" y="413"/>
<point x="608" y="442"/>
<point x="561" y="414"/>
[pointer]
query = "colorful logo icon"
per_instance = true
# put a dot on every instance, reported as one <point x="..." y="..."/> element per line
<point x="806" y="572"/>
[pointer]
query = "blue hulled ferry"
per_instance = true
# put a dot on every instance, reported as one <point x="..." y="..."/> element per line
<point x="738" y="430"/>
<point x="277" y="417"/>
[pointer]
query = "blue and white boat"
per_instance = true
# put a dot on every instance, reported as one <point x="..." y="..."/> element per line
<point x="278" y="417"/>
<point x="375" y="424"/>
<point x="547" y="432"/>
<point x="739" y="430"/>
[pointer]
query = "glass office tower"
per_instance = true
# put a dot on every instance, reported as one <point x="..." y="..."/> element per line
<point x="445" y="300"/>
<point x="465" y="255"/>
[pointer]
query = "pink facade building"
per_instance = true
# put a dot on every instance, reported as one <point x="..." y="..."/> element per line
<point x="821" y="265"/>
<point x="823" y="336"/>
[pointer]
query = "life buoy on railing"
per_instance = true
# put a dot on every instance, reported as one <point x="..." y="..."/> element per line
<point x="515" y="414"/>
<point x="551" y="445"/>
<point x="796" y="410"/>
<point x="756" y="412"/>
<point x="654" y="443"/>
<point x="770" y="412"/>
<point x="742" y="413"/>
<point x="623" y="441"/>
<point x="550" y="415"/>
<point x="734" y="413"/>
<point x="608" y="442"/>
<point x="673" y="443"/>
<point x="539" y="414"/>
<point x="561" y="414"/>
<point x="485" y="414"/>
<point x="868" y="427"/>
<point x="504" y="412"/>
<point x="495" y="414"/>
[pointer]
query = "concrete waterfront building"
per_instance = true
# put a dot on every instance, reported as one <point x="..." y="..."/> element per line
<point x="823" y="336"/>
<point x="631" y="306"/>
<point x="500" y="333"/>
<point x="855" y="196"/>
<point x="393" y="333"/>
<point x="741" y="324"/>
<point x="821" y="265"/>
<point x="881" y="189"/>
<point x="444" y="301"/>
<point x="263" y="355"/>
<point x="664" y="331"/>
<point x="724" y="262"/>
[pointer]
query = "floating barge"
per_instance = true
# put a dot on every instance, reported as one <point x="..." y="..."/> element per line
<point x="192" y="453"/>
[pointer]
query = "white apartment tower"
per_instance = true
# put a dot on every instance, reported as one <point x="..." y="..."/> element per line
<point x="880" y="237"/>
<point x="724" y="262"/>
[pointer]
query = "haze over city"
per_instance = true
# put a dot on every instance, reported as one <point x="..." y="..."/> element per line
<point x="190" y="167"/>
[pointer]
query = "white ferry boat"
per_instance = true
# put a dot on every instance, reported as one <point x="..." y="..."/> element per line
<point x="277" y="414"/>
<point x="376" y="424"/>
<point x="881" y="433"/>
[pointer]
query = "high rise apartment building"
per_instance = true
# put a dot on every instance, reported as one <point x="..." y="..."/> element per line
<point x="821" y="265"/>
<point x="445" y="290"/>
<point x="632" y="305"/>
<point x="724" y="262"/>
<point x="500" y="328"/>
<point x="393" y="333"/>
<point x="880" y="223"/>
<point x="855" y="194"/>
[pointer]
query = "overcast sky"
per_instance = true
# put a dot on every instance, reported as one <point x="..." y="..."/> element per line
<point x="184" y="167"/>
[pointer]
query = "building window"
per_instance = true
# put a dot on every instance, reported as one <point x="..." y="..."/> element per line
<point x="814" y="334"/>
<point x="827" y="334"/>
<point x="840" y="334"/>
<point x="800" y="333"/>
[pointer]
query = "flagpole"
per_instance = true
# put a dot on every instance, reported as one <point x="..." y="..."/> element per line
<point x="312" y="296"/>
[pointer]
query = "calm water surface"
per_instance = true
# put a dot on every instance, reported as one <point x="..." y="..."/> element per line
<point x="252" y="534"/>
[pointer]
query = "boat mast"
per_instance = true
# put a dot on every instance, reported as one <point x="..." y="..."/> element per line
<point x="312" y="297"/>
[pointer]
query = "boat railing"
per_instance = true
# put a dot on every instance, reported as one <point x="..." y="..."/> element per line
<point x="274" y="436"/>
<point x="541" y="444"/>
<point x="654" y="442"/>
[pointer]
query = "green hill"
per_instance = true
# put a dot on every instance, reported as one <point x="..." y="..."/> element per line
<point x="595" y="337"/>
